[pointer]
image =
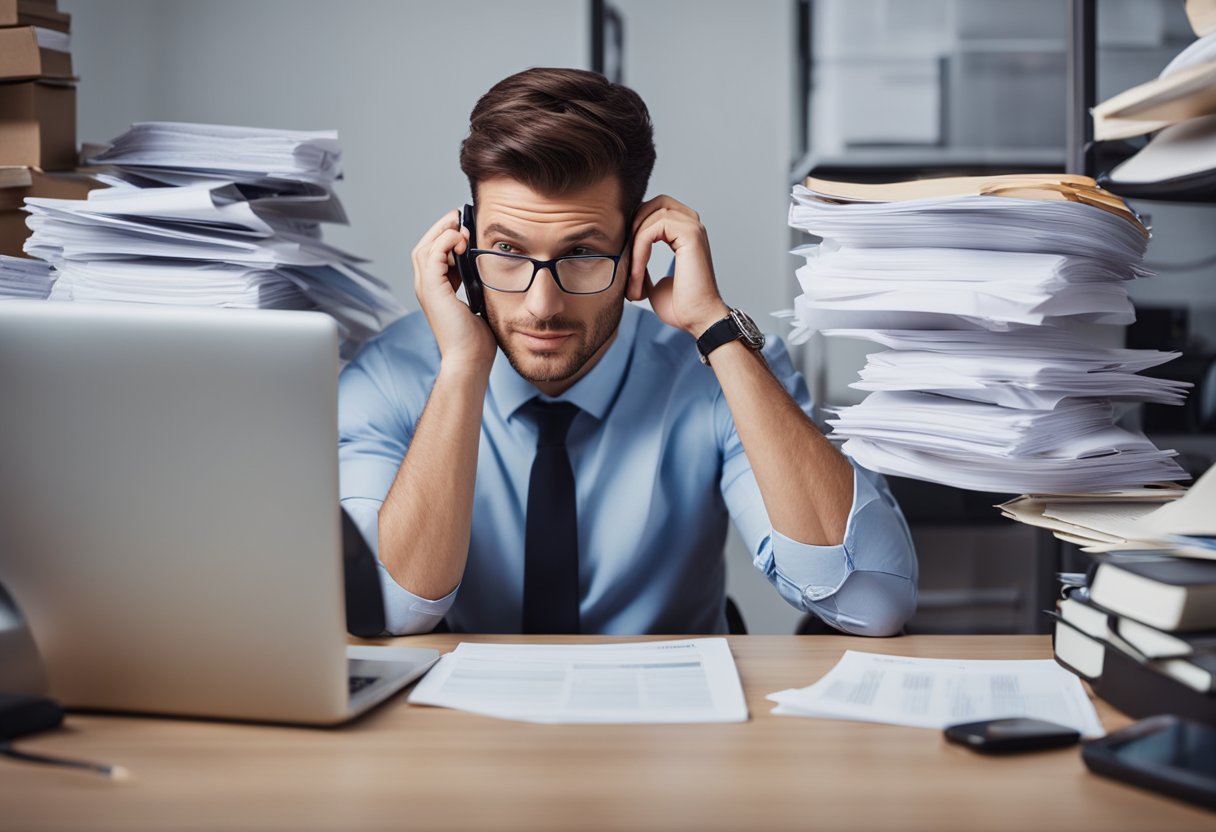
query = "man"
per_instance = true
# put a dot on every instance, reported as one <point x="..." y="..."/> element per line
<point x="569" y="463"/>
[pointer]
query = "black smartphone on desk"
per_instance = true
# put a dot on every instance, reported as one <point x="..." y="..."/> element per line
<point x="1012" y="734"/>
<point x="1165" y="754"/>
<point x="466" y="265"/>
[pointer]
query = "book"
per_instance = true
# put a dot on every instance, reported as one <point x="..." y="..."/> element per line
<point x="1171" y="594"/>
<point x="1135" y="688"/>
<point x="1195" y="668"/>
<point x="1158" y="644"/>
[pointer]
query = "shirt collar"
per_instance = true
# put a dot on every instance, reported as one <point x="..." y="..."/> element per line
<point x="593" y="393"/>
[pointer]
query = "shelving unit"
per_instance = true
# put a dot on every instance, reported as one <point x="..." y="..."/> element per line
<point x="944" y="518"/>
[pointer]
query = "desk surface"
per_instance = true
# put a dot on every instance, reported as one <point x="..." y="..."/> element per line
<point x="425" y="768"/>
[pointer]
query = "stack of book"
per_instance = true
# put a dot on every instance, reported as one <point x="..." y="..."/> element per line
<point x="1141" y="629"/>
<point x="37" y="114"/>
<point x="1179" y="107"/>
<point x="976" y="286"/>
<point x="211" y="215"/>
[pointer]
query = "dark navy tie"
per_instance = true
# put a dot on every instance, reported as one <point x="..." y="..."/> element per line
<point x="551" y="591"/>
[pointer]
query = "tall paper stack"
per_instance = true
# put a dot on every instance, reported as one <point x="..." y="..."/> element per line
<point x="210" y="215"/>
<point x="972" y="285"/>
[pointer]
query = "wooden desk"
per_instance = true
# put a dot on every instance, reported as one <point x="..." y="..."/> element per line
<point x="428" y="769"/>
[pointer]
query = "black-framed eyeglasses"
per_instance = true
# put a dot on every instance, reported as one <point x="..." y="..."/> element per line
<point x="574" y="274"/>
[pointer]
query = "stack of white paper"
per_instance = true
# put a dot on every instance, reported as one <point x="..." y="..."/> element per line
<point x="21" y="277"/>
<point x="983" y="385"/>
<point x="693" y="680"/>
<point x="209" y="215"/>
<point x="936" y="693"/>
<point x="221" y="150"/>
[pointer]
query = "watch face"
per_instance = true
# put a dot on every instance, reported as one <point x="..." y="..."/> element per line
<point x="752" y="336"/>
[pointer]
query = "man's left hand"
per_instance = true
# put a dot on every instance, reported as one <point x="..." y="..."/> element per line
<point x="689" y="299"/>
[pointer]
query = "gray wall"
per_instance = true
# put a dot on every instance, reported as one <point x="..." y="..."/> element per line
<point x="397" y="79"/>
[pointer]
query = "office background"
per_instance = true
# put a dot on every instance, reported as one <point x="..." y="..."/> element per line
<point x="745" y="95"/>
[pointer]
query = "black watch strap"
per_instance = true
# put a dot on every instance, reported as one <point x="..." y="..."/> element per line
<point x="735" y="326"/>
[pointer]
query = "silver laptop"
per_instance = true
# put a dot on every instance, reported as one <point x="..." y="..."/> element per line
<point x="169" y="521"/>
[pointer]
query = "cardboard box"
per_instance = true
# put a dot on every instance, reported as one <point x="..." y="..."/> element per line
<point x="21" y="57"/>
<point x="34" y="13"/>
<point x="38" y="124"/>
<point x="16" y="183"/>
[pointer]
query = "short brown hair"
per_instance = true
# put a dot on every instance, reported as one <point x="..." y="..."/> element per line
<point x="557" y="130"/>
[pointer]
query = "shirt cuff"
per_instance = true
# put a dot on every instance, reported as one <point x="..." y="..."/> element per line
<point x="810" y="572"/>
<point x="406" y="613"/>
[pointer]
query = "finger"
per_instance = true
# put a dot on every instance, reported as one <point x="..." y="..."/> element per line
<point x="644" y="210"/>
<point x="664" y="226"/>
<point x="644" y="238"/>
<point x="637" y="288"/>
<point x="436" y="259"/>
<point x="660" y="203"/>
<point x="660" y="297"/>
<point x="449" y="220"/>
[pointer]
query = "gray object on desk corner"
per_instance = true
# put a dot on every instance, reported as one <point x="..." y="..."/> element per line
<point x="21" y="669"/>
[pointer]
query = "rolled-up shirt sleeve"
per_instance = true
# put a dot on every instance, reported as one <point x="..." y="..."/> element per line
<point x="374" y="431"/>
<point x="864" y="586"/>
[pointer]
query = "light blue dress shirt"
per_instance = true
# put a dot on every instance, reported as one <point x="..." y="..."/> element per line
<point x="659" y="470"/>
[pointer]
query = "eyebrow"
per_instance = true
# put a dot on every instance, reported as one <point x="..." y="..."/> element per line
<point x="581" y="236"/>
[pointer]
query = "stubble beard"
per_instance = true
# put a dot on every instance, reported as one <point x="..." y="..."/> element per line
<point x="541" y="369"/>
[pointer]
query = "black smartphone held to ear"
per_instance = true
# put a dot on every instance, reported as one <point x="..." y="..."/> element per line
<point x="466" y="265"/>
<point x="1012" y="734"/>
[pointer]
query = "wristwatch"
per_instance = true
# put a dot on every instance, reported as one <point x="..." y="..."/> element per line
<point x="735" y="326"/>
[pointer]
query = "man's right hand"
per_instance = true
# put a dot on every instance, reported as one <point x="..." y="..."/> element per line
<point x="465" y="340"/>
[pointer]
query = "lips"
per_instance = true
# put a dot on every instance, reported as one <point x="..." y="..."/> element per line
<point x="544" y="341"/>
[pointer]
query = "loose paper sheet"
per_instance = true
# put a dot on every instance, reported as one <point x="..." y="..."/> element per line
<point x="934" y="693"/>
<point x="692" y="680"/>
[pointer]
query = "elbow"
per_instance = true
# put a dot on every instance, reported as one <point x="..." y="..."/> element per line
<point x="883" y="624"/>
<point x="887" y="611"/>
<point x="414" y="625"/>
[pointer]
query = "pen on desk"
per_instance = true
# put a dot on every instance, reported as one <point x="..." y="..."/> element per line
<point x="117" y="773"/>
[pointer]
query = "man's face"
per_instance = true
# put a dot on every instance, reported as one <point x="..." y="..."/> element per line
<point x="550" y="337"/>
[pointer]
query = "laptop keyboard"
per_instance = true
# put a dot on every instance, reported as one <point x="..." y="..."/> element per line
<point x="358" y="683"/>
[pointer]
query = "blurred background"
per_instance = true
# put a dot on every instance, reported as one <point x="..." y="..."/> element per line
<point x="747" y="97"/>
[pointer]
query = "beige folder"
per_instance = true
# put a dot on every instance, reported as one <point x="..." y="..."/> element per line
<point x="1155" y="104"/>
<point x="1202" y="15"/>
<point x="1040" y="186"/>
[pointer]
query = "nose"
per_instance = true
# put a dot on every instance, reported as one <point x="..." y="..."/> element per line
<point x="543" y="299"/>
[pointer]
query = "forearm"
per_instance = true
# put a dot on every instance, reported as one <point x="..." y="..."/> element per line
<point x="425" y="522"/>
<point x="806" y="484"/>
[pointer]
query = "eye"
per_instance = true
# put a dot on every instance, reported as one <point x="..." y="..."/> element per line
<point x="579" y="251"/>
<point x="505" y="248"/>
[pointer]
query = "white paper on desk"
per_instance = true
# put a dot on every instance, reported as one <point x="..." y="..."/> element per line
<point x="934" y="693"/>
<point x="692" y="680"/>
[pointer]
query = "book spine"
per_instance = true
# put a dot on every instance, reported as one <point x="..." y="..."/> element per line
<point x="1140" y="691"/>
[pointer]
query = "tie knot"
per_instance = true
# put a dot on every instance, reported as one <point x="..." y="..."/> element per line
<point x="553" y="419"/>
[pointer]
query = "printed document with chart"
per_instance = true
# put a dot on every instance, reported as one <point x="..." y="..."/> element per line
<point x="690" y="680"/>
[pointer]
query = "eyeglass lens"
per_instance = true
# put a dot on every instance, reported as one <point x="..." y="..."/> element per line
<point x="578" y="275"/>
